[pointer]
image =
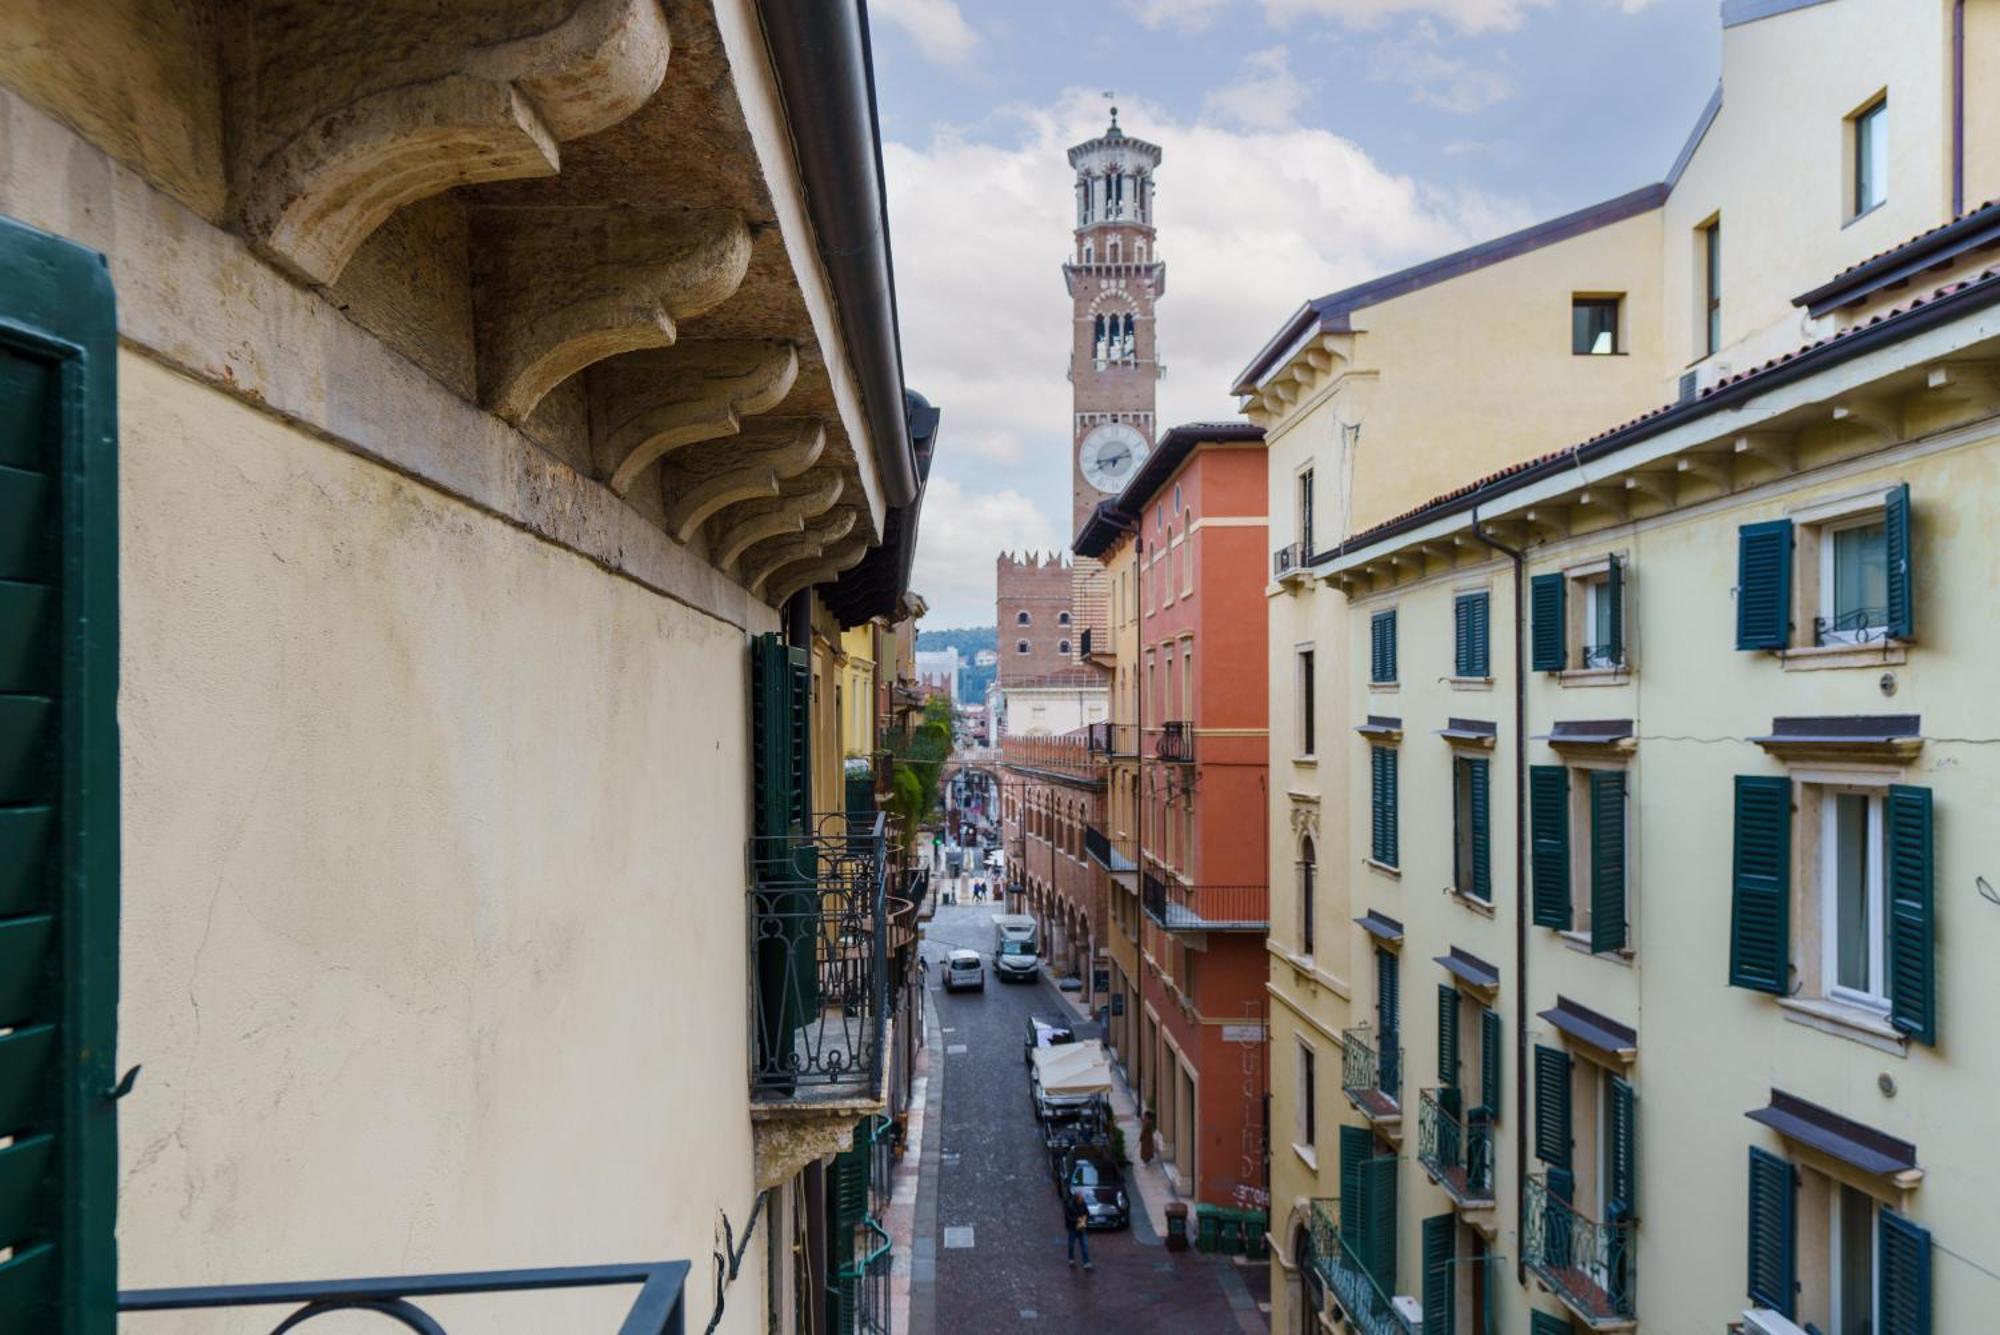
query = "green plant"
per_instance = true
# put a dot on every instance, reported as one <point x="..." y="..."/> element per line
<point x="917" y="764"/>
<point x="1118" y="1145"/>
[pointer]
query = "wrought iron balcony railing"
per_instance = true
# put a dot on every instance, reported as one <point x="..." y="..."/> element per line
<point x="1371" y="1072"/>
<point x="1175" y="743"/>
<point x="1456" y="1151"/>
<point x="1368" y="1309"/>
<point x="819" y="961"/>
<point x="1111" y="739"/>
<point x="1860" y="625"/>
<point x="1591" y="1266"/>
<point x="1205" y="908"/>
<point x="1114" y="855"/>
<point x="659" y="1308"/>
<point x="1289" y="559"/>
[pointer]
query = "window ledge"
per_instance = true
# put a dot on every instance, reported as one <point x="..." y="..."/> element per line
<point x="1393" y="873"/>
<point x="1312" y="761"/>
<point x="1471" y="683"/>
<point x="1385" y="687"/>
<point x="1845" y="1021"/>
<point x="1580" y="943"/>
<point x="1306" y="1155"/>
<point x="1818" y="657"/>
<point x="1608" y="676"/>
<point x="1480" y="906"/>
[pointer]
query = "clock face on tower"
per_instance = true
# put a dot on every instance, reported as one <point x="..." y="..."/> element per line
<point x="1110" y="455"/>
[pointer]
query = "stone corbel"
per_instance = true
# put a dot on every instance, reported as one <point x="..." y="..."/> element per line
<point x="767" y="558"/>
<point x="664" y="398"/>
<point x="782" y="584"/>
<point x="789" y="1138"/>
<point x="743" y="526"/>
<point x="699" y="481"/>
<point x="357" y="115"/>
<point x="558" y="289"/>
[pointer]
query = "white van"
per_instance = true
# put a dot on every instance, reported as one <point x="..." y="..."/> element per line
<point x="1017" y="927"/>
<point x="963" y="968"/>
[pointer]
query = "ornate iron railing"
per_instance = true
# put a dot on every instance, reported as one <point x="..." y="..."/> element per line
<point x="1457" y="1152"/>
<point x="659" y="1308"/>
<point x="860" y="1285"/>
<point x="1176" y="742"/>
<point x="1591" y="1266"/>
<point x="819" y="961"/>
<point x="1289" y="559"/>
<point x="1371" y="1070"/>
<point x="1859" y="625"/>
<point x="1368" y="1309"/>
<point x="1603" y="655"/>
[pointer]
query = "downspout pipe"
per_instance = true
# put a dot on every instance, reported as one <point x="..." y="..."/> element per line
<point x="826" y="77"/>
<point x="1520" y="886"/>
<point x="1957" y="108"/>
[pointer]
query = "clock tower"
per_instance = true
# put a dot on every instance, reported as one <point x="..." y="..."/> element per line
<point x="1115" y="277"/>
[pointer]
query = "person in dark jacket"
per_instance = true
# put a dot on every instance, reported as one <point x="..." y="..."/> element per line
<point x="1077" y="1218"/>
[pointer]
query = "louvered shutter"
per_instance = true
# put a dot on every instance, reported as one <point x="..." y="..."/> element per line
<point x="1461" y="636"/>
<point x="1548" y="829"/>
<point x="1480" y="800"/>
<point x="1764" y="585"/>
<point x="1382" y="777"/>
<point x="1378" y="1195"/>
<point x="1382" y="647"/>
<point x="1773" y="1233"/>
<point x="1447" y="1035"/>
<point x="1489" y="1062"/>
<point x="1552" y="1139"/>
<point x="1440" y="1284"/>
<point x="1623" y="1196"/>
<point x="1761" y="884"/>
<point x="1542" y="1323"/>
<point x="59" y="813"/>
<point x="1388" y="990"/>
<point x="770" y="737"/>
<point x="847" y="1206"/>
<point x="1607" y="860"/>
<point x="1903" y="1289"/>
<point x="1482" y="636"/>
<point x="1549" y="632"/>
<point x="800" y="739"/>
<point x="1357" y="1146"/>
<point x="1896" y="547"/>
<point x="1910" y="862"/>
<point x="1614" y="593"/>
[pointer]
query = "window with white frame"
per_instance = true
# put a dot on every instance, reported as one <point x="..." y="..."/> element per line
<point x="1853" y="581"/>
<point x="1020" y="646"/>
<point x="1868" y="131"/>
<point x="1021" y="618"/>
<point x="1305" y="1121"/>
<point x="1852" y="916"/>
<point x="1845" y="564"/>
<point x="1308" y="895"/>
<point x="1308" y="722"/>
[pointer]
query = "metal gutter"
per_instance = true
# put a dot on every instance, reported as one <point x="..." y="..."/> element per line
<point x="826" y="79"/>
<point x="1933" y="250"/>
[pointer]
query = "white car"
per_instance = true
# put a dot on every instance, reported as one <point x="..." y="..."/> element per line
<point x="964" y="968"/>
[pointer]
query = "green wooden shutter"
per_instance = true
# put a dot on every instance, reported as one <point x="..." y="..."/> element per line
<point x="1378" y="1195"/>
<point x="59" y="814"/>
<point x="1461" y="636"/>
<point x="1357" y="1146"/>
<point x="1623" y="1132"/>
<point x="1382" y="814"/>
<point x="800" y="739"/>
<point x="1549" y="636"/>
<point x="1544" y="1323"/>
<point x="1489" y="1062"/>
<point x="1447" y="1035"/>
<point x="1480" y="799"/>
<point x="1911" y="866"/>
<point x="1896" y="544"/>
<point x="1773" y="1234"/>
<point x="1382" y="646"/>
<point x="1761" y="881"/>
<point x="847" y="1206"/>
<point x="1482" y="636"/>
<point x="1548" y="829"/>
<point x="771" y="771"/>
<point x="1614" y="592"/>
<point x="1607" y="860"/>
<point x="1764" y="585"/>
<point x="1903" y="1288"/>
<point x="1552" y="1138"/>
<point x="1440" y="1283"/>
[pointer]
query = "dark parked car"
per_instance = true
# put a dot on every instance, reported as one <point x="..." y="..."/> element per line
<point x="1045" y="1031"/>
<point x="1090" y="1172"/>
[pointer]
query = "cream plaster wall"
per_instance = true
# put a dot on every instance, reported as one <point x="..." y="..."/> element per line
<point x="433" y="916"/>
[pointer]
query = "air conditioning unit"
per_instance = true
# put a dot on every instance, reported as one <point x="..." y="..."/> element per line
<point x="1764" y="1321"/>
<point x="1411" y="1311"/>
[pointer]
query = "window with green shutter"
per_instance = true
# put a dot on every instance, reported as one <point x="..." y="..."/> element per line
<point x="1382" y="646"/>
<point x="1552" y="1126"/>
<point x="1357" y="1147"/>
<point x="59" y="812"/>
<point x="1382" y="805"/>
<point x="1607" y="861"/>
<point x="1764" y="585"/>
<point x="847" y="1206"/>
<point x="1761" y="884"/>
<point x="1440" y="1293"/>
<point x="1548" y="841"/>
<point x="1471" y="622"/>
<point x="1378" y="1206"/>
<point x="1472" y="835"/>
<point x="1614" y="615"/>
<point x="1773" y="1249"/>
<point x="1489" y="1062"/>
<point x="1622" y="1139"/>
<point x="1903" y="1280"/>
<point x="1547" y="1323"/>
<point x="1548" y="636"/>
<point x="1447" y="1035"/>
<point x="1902" y="617"/>
<point x="1909" y="876"/>
<point x="785" y="865"/>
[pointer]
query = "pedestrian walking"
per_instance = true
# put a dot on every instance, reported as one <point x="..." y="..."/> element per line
<point x="1077" y="1218"/>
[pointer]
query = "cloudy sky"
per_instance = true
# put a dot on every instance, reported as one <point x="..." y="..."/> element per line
<point x="1309" y="144"/>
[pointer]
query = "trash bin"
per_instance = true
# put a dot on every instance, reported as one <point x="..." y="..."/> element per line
<point x="1177" y="1237"/>
<point x="1208" y="1227"/>
<point x="1256" y="1229"/>
<point x="1230" y="1226"/>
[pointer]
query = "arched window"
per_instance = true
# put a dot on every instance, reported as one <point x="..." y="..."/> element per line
<point x="1021" y="618"/>
<point x="1062" y="618"/>
<point x="1111" y="250"/>
<point x="1020" y="646"/>
<point x="1062" y="647"/>
<point x="1308" y="893"/>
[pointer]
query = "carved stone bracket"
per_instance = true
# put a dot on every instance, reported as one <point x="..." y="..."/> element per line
<point x="700" y="481"/>
<point x="788" y="1138"/>
<point x="558" y="289"/>
<point x="659" y="400"/>
<point x="356" y="114"/>
<point x="745" y="526"/>
<point x="767" y="558"/>
<point x="783" y="583"/>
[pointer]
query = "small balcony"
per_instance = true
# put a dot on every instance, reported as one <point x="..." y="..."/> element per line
<point x="1113" y="855"/>
<point x="1175" y="744"/>
<point x="1456" y="1151"/>
<point x="1371" y="1073"/>
<point x="1591" y="1266"/>
<point x="1368" y="1308"/>
<point x="1289" y="560"/>
<point x="1114" y="740"/>
<point x="1205" y="908"/>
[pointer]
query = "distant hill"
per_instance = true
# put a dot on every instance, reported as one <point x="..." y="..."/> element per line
<point x="972" y="679"/>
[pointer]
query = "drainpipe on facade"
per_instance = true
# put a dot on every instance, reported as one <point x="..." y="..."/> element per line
<point x="1958" y="108"/>
<point x="1520" y="888"/>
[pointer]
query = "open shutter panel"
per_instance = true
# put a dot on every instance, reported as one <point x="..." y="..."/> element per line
<point x="770" y="745"/>
<point x="1773" y="1230"/>
<point x="1896" y="545"/>
<point x="1482" y="636"/>
<point x="1614" y="592"/>
<point x="1440" y="1283"/>
<point x="1542" y="1323"/>
<point x="1623" y="1197"/>
<point x="1388" y="990"/>
<point x="1552" y="1106"/>
<point x="1389" y="648"/>
<point x="1378" y="1194"/>
<point x="1477" y="779"/>
<point x="1607" y="860"/>
<point x="1764" y="585"/>
<point x="1461" y="636"/>
<point x="1549" y="633"/>
<point x="1903" y="1291"/>
<point x="1911" y="865"/>
<point x="1548" y="826"/>
<point x="800" y="739"/>
<point x="59" y="814"/>
<point x="1761" y="884"/>
<point x="1489" y="1062"/>
<point x="1378" y="802"/>
<point x="1357" y="1146"/>
<point x="1447" y="1035"/>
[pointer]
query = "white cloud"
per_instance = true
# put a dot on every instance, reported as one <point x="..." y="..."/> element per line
<point x="1448" y="82"/>
<point x="1268" y="96"/>
<point x="1468" y="15"/>
<point x="1252" y="223"/>
<point x="1189" y="16"/>
<point x="936" y="26"/>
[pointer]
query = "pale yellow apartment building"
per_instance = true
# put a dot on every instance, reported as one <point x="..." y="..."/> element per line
<point x="1627" y="972"/>
<point x="434" y="441"/>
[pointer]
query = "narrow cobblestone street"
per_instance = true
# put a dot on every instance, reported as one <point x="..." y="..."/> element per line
<point x="992" y="1178"/>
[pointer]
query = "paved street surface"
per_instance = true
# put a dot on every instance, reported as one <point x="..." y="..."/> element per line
<point x="993" y="1178"/>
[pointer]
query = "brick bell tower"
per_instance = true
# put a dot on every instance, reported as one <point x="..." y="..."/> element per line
<point x="1114" y="276"/>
